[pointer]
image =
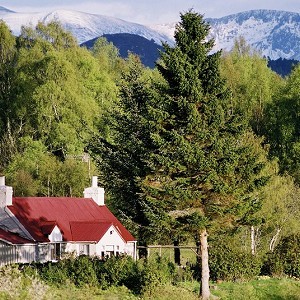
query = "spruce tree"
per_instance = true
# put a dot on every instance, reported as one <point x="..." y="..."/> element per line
<point x="206" y="167"/>
<point x="178" y="158"/>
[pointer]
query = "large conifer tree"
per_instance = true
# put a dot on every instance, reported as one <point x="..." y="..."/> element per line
<point x="180" y="160"/>
<point x="206" y="167"/>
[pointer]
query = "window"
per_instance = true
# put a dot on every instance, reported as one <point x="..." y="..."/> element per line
<point x="84" y="249"/>
<point x="55" y="251"/>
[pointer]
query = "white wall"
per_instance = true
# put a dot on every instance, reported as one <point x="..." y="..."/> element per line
<point x="55" y="235"/>
<point x="112" y="243"/>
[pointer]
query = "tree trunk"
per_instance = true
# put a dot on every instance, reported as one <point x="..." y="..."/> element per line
<point x="176" y="253"/>
<point x="253" y="246"/>
<point x="204" y="289"/>
<point x="274" y="239"/>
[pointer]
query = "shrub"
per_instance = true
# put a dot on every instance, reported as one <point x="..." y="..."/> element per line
<point x="79" y="270"/>
<point x="16" y="285"/>
<point x="117" y="271"/>
<point x="54" y="273"/>
<point x="231" y="263"/>
<point x="156" y="273"/>
<point x="285" y="259"/>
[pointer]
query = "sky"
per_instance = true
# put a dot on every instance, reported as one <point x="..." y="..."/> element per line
<point x="152" y="11"/>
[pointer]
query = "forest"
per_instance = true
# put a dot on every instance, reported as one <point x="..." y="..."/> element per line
<point x="204" y="148"/>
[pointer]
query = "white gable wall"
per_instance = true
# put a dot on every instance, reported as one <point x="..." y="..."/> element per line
<point x="55" y="235"/>
<point x="111" y="243"/>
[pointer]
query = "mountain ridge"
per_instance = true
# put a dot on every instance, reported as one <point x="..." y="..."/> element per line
<point x="84" y="26"/>
<point x="275" y="34"/>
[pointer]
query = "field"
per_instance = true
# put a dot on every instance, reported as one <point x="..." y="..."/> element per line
<point x="260" y="289"/>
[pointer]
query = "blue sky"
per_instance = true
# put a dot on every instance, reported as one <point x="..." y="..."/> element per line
<point x="152" y="11"/>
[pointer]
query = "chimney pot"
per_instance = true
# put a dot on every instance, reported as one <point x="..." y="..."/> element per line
<point x="95" y="181"/>
<point x="2" y="180"/>
<point x="95" y="192"/>
<point x="6" y="193"/>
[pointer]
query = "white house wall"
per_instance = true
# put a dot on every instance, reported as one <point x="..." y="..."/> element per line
<point x="80" y="248"/>
<point x="130" y="249"/>
<point x="26" y="253"/>
<point x="10" y="254"/>
<point x="112" y="243"/>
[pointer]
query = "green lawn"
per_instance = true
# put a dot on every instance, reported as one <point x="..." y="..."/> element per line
<point x="260" y="289"/>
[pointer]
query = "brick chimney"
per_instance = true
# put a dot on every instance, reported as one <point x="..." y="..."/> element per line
<point x="6" y="193"/>
<point x="95" y="192"/>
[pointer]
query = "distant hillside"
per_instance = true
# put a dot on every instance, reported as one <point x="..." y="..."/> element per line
<point x="282" y="66"/>
<point x="148" y="51"/>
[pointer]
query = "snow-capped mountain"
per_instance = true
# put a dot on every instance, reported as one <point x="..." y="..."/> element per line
<point x="276" y="34"/>
<point x="273" y="33"/>
<point x="83" y="26"/>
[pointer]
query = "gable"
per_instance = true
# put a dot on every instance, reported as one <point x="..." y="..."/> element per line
<point x="55" y="235"/>
<point x="111" y="237"/>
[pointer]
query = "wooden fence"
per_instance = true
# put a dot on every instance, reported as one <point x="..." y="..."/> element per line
<point x="188" y="254"/>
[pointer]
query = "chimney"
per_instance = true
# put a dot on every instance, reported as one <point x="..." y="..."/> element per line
<point x="95" y="192"/>
<point x="6" y="193"/>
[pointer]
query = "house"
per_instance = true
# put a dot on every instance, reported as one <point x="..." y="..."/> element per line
<point x="44" y="228"/>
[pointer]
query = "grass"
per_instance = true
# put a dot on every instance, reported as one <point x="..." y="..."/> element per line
<point x="15" y="285"/>
<point x="260" y="289"/>
<point x="84" y="293"/>
<point x="168" y="292"/>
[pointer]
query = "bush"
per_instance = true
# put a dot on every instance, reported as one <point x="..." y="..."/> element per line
<point x="79" y="271"/>
<point x="285" y="260"/>
<point x="17" y="285"/>
<point x="117" y="271"/>
<point x="156" y="273"/>
<point x="141" y="277"/>
<point x="231" y="263"/>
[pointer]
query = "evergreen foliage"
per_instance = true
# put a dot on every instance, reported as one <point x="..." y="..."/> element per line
<point x="122" y="156"/>
<point x="207" y="166"/>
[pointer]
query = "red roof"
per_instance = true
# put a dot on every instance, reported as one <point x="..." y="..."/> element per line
<point x="47" y="227"/>
<point x="67" y="213"/>
<point x="13" y="237"/>
<point x="89" y="231"/>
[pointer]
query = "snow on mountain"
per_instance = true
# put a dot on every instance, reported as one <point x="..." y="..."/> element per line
<point x="83" y="26"/>
<point x="273" y="33"/>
